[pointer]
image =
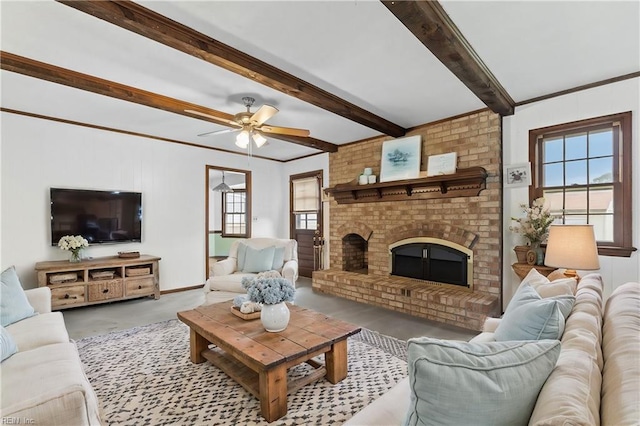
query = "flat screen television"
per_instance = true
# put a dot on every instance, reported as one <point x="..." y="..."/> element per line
<point x="102" y="217"/>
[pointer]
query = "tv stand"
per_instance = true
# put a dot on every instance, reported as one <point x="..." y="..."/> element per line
<point x="99" y="280"/>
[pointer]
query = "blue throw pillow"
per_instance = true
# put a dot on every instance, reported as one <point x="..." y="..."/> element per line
<point x="531" y="317"/>
<point x="492" y="384"/>
<point x="14" y="305"/>
<point x="8" y="345"/>
<point x="242" y="250"/>
<point x="258" y="260"/>
<point x="278" y="258"/>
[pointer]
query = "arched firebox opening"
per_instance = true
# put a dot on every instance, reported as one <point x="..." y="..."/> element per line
<point x="355" y="254"/>
<point x="432" y="259"/>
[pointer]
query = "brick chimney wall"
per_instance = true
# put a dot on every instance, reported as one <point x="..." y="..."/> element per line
<point x="476" y="138"/>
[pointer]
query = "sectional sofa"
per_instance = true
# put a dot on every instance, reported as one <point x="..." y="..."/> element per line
<point x="43" y="383"/>
<point x="595" y="380"/>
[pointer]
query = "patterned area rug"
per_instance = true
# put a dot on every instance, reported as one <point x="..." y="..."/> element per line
<point x="143" y="376"/>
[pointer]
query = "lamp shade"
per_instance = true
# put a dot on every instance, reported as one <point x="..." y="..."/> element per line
<point x="242" y="140"/>
<point x="258" y="139"/>
<point x="222" y="187"/>
<point x="572" y="247"/>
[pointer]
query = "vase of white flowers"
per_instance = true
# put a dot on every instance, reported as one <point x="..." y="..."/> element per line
<point x="74" y="244"/>
<point x="534" y="227"/>
<point x="272" y="293"/>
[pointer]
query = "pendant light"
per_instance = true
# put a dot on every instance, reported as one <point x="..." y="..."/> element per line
<point x="223" y="187"/>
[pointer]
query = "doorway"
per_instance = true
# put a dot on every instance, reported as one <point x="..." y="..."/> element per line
<point x="306" y="220"/>
<point x="227" y="211"/>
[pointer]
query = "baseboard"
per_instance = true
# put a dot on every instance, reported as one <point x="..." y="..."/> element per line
<point x="178" y="290"/>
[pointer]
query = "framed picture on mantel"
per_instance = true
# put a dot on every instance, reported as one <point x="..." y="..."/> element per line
<point x="400" y="159"/>
<point x="443" y="164"/>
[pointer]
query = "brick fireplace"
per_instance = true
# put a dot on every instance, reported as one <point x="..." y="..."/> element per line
<point x="362" y="235"/>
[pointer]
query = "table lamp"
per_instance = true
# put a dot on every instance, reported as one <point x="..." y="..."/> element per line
<point x="572" y="247"/>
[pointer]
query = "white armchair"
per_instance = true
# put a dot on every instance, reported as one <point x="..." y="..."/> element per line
<point x="248" y="257"/>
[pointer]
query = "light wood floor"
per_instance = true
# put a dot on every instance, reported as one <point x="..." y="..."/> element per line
<point x="101" y="319"/>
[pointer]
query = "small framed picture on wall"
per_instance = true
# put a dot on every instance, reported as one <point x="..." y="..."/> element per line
<point x="517" y="175"/>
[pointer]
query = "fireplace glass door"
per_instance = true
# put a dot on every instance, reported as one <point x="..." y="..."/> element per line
<point x="430" y="262"/>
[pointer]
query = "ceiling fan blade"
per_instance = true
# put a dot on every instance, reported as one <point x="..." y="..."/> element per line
<point x="203" y="114"/>
<point x="264" y="113"/>
<point x="219" y="132"/>
<point x="290" y="131"/>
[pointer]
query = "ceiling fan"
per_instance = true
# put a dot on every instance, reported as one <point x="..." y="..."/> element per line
<point x="252" y="125"/>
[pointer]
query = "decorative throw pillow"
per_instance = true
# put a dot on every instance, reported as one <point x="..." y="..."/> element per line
<point x="14" y="305"/>
<point x="278" y="258"/>
<point x="460" y="383"/>
<point x="258" y="260"/>
<point x="530" y="317"/>
<point x="532" y="278"/>
<point x="556" y="275"/>
<point x="8" y="345"/>
<point x="547" y="286"/>
<point x="563" y="287"/>
<point x="242" y="254"/>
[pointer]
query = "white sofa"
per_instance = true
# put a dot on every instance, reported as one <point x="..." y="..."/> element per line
<point x="44" y="383"/>
<point x="225" y="282"/>
<point x="596" y="379"/>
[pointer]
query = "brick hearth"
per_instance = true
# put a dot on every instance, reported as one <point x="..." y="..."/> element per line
<point x="440" y="303"/>
<point x="472" y="222"/>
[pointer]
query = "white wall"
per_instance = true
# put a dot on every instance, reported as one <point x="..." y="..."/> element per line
<point x="304" y="165"/>
<point x="39" y="154"/>
<point x="604" y="100"/>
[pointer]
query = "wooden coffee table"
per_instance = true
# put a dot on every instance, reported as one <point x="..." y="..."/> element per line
<point x="259" y="360"/>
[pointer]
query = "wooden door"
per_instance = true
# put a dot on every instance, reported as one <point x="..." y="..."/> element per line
<point x="306" y="220"/>
<point x="305" y="251"/>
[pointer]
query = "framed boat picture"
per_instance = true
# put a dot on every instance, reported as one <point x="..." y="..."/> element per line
<point x="400" y="159"/>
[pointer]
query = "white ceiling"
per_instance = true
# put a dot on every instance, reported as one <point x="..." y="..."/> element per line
<point x="354" y="49"/>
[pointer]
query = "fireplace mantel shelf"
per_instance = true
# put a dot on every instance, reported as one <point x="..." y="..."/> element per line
<point x="464" y="183"/>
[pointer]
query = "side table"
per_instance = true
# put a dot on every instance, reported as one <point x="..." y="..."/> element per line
<point x="522" y="269"/>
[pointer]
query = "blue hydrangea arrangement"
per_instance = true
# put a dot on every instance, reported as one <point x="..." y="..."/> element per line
<point x="268" y="291"/>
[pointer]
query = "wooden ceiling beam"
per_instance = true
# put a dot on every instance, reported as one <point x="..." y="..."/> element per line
<point x="143" y="21"/>
<point x="52" y="73"/>
<point x="430" y="24"/>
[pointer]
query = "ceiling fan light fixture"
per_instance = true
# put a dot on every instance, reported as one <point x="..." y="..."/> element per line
<point x="242" y="140"/>
<point x="251" y="125"/>
<point x="258" y="139"/>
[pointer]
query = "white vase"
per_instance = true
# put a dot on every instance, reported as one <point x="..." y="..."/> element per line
<point x="275" y="317"/>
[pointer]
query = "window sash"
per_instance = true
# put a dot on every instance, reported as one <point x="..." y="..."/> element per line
<point x="234" y="214"/>
<point x="307" y="221"/>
